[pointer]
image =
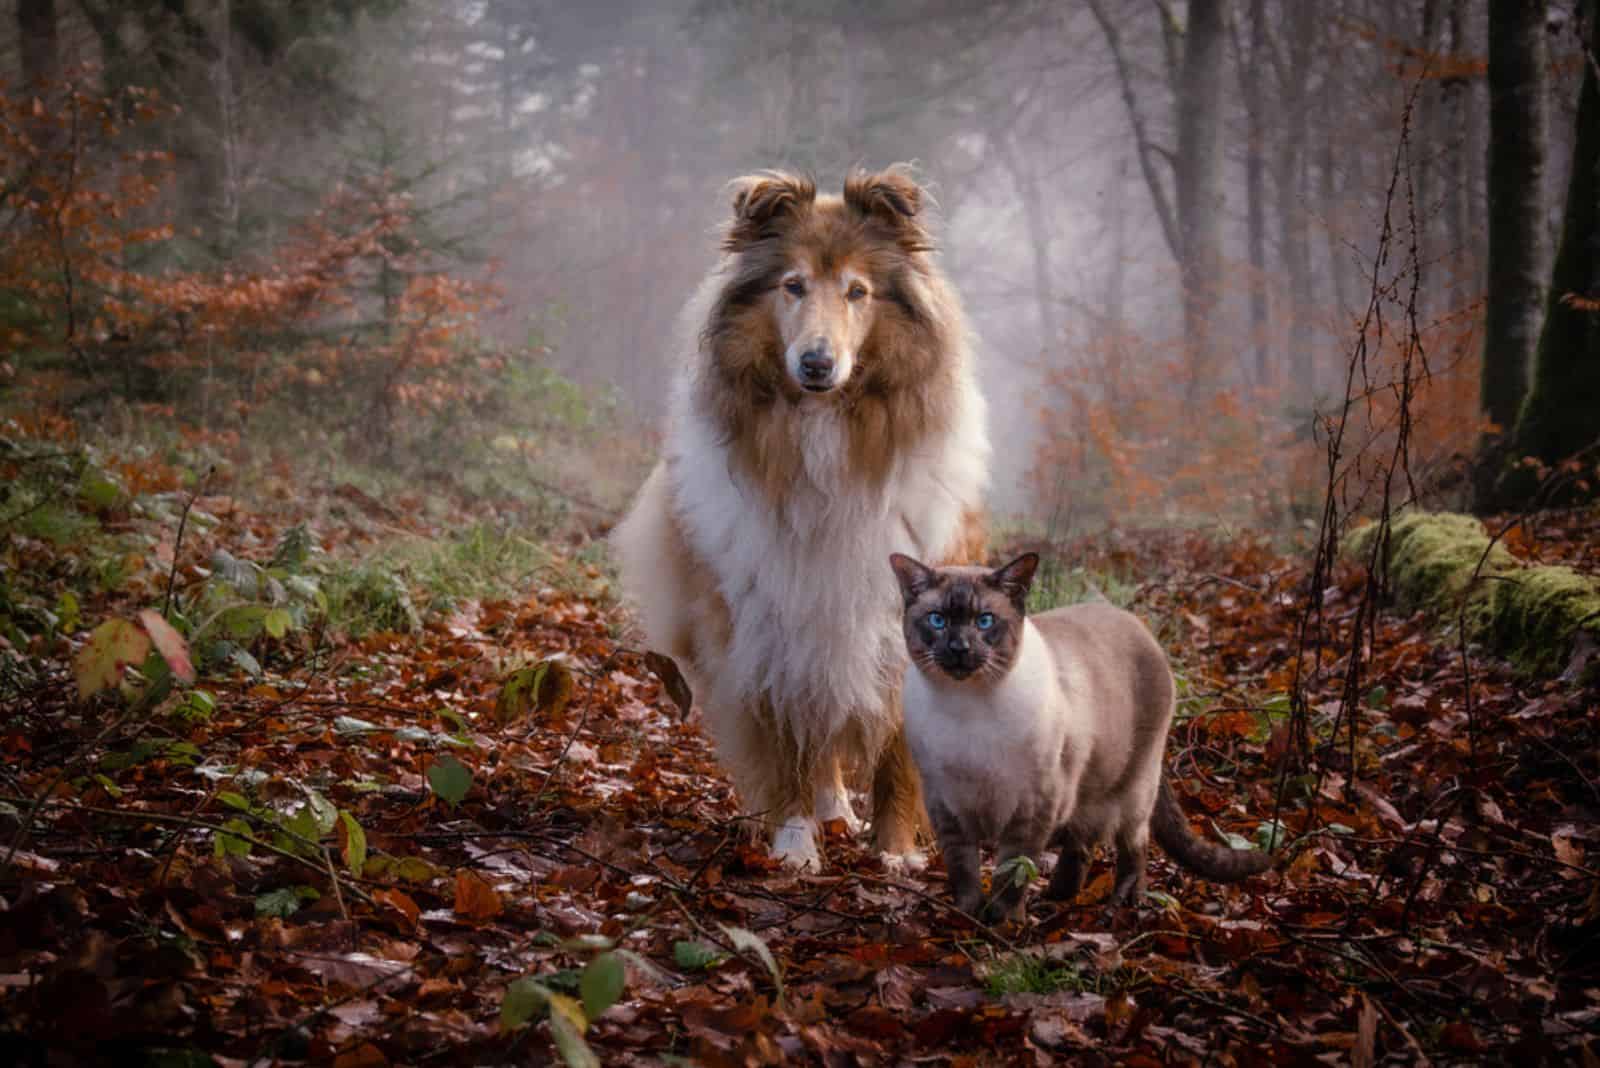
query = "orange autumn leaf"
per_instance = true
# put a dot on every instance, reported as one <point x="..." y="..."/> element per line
<point x="401" y="902"/>
<point x="475" y="899"/>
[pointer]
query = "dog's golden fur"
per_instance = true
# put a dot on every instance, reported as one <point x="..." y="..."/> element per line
<point x="747" y="549"/>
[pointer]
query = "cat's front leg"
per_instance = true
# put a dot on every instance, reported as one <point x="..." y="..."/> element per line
<point x="1067" y="879"/>
<point x="1025" y="838"/>
<point x="961" y="860"/>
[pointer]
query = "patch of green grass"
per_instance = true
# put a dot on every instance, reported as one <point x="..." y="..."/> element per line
<point x="1027" y="973"/>
<point x="1055" y="584"/>
<point x="400" y="584"/>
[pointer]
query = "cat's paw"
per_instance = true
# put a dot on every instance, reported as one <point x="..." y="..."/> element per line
<point x="795" y="844"/>
<point x="906" y="863"/>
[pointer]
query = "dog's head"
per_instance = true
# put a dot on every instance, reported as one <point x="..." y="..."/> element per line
<point x="825" y="266"/>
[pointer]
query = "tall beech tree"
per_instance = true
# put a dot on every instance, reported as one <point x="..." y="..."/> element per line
<point x="1517" y="253"/>
<point x="1558" y="419"/>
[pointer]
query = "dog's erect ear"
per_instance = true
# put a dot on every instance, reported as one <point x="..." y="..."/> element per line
<point x="761" y="202"/>
<point x="894" y="198"/>
<point x="1015" y="578"/>
<point x="914" y="576"/>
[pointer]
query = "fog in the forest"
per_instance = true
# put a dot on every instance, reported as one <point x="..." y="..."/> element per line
<point x="577" y="155"/>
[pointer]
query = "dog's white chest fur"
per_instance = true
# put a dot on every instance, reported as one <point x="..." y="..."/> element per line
<point x="989" y="751"/>
<point x="815" y="607"/>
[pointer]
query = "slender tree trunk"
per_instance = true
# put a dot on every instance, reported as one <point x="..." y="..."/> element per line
<point x="1517" y="257"/>
<point x="1289" y="166"/>
<point x="1255" y="184"/>
<point x="1558" y="419"/>
<point x="1038" y="228"/>
<point x="41" y="50"/>
<point x="1458" y="175"/>
<point x="1427" y="143"/>
<point x="1199" y="193"/>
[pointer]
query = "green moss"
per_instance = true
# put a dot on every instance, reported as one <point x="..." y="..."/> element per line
<point x="1537" y="612"/>
<point x="1530" y="615"/>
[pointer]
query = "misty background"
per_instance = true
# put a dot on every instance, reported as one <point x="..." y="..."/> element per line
<point x="573" y="157"/>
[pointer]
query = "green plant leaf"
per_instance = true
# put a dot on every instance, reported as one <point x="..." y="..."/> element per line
<point x="68" y="615"/>
<point x="353" y="843"/>
<point x="696" y="956"/>
<point x="1268" y="835"/>
<point x="234" y="800"/>
<point x="226" y="845"/>
<point x="450" y="779"/>
<point x="1018" y="871"/>
<point x="99" y="490"/>
<point x="323" y="811"/>
<point x="277" y="622"/>
<point x="242" y="622"/>
<point x="524" y="999"/>
<point x="285" y="902"/>
<point x="113" y="647"/>
<point x="602" y="983"/>
<point x="1235" y="841"/>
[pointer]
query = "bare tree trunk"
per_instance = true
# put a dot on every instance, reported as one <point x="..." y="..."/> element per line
<point x="41" y="50"/>
<point x="1517" y="258"/>
<point x="1199" y="192"/>
<point x="1427" y="143"/>
<point x="1148" y="152"/>
<point x="1038" y="228"/>
<point x="1558" y="417"/>
<point x="1289" y="168"/>
<point x="1255" y="183"/>
<point x="1457" y="176"/>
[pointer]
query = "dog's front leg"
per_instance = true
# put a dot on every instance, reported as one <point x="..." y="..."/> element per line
<point x="832" y="799"/>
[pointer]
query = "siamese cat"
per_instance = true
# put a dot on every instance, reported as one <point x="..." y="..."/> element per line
<point x="1036" y="731"/>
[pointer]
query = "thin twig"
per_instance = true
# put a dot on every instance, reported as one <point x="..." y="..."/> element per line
<point x="177" y="548"/>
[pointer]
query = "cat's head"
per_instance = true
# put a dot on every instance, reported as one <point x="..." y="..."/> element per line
<point x="964" y="623"/>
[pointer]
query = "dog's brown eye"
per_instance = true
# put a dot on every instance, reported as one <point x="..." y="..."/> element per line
<point x="794" y="287"/>
<point x="856" y="291"/>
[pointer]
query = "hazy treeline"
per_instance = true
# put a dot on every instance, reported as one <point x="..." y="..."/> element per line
<point x="1139" y="198"/>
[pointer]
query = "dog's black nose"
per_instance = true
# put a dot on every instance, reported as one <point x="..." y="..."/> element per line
<point x="816" y="365"/>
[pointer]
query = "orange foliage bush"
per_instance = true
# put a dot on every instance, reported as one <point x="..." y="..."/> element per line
<point x="1127" y="438"/>
<point x="347" y="310"/>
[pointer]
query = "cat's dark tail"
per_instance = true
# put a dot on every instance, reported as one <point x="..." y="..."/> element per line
<point x="1217" y="863"/>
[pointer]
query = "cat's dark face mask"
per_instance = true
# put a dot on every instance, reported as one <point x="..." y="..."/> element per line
<point x="963" y="622"/>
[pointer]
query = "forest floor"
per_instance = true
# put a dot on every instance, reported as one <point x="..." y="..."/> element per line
<point x="426" y="802"/>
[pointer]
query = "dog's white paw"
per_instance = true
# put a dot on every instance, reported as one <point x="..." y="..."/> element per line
<point x="795" y="843"/>
<point x="834" y="804"/>
<point x="904" y="863"/>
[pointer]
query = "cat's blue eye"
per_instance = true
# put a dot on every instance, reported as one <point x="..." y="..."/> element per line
<point x="985" y="620"/>
<point x="936" y="620"/>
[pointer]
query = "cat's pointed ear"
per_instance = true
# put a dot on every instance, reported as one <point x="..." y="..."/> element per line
<point x="1015" y="578"/>
<point x="914" y="576"/>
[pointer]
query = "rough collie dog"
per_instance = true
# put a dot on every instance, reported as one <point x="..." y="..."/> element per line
<point x="825" y="415"/>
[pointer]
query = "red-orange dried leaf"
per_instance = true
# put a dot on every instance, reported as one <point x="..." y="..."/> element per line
<point x="401" y="902"/>
<point x="169" y="643"/>
<point x="475" y="899"/>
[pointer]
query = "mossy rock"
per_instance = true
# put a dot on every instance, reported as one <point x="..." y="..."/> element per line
<point x="1530" y="615"/>
<point x="1537" y="612"/>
